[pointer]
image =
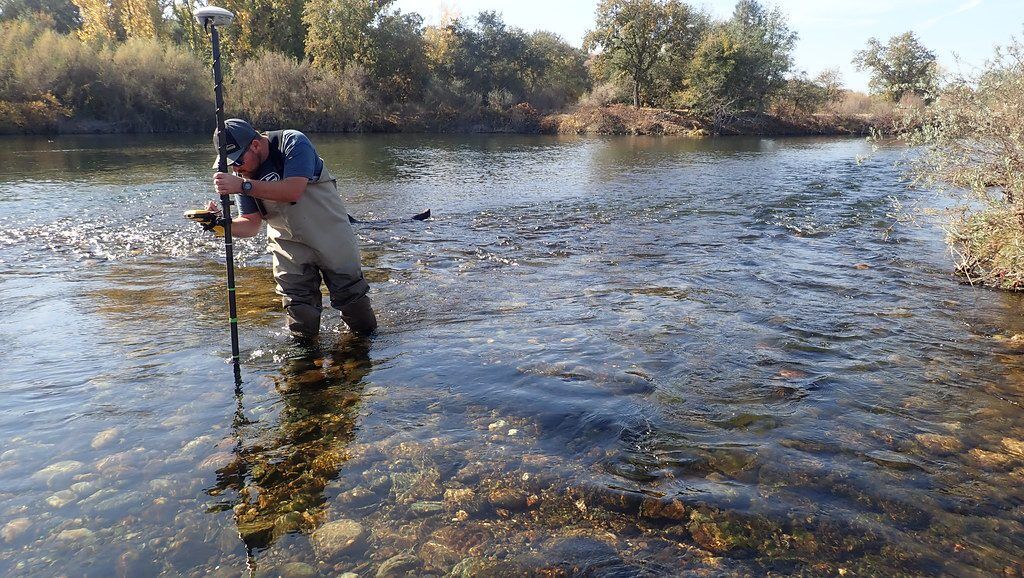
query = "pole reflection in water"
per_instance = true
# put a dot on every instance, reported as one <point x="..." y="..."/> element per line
<point x="280" y="473"/>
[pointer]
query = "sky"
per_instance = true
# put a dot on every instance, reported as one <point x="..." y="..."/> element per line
<point x="831" y="31"/>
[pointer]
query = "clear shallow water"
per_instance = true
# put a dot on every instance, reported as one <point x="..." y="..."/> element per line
<point x="623" y="356"/>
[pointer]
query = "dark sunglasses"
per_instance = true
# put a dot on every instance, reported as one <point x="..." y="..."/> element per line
<point x="241" y="160"/>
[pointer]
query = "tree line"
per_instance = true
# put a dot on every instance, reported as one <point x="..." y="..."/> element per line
<point x="365" y="65"/>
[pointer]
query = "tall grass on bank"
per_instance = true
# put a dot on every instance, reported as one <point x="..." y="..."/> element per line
<point x="974" y="137"/>
<point x="50" y="81"/>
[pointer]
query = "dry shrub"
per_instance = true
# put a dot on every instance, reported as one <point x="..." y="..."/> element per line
<point x="275" y="90"/>
<point x="453" y="103"/>
<point x="271" y="91"/>
<point x="76" y="74"/>
<point x="975" y="147"/>
<point x="606" y="93"/>
<point x="855" y="103"/>
<point x="344" y="102"/>
<point x="162" y="87"/>
<point x="989" y="248"/>
<point x="140" y="85"/>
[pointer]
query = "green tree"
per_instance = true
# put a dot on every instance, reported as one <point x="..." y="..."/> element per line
<point x="63" y="14"/>
<point x="633" y="36"/>
<point x="491" y="58"/>
<point x="397" y="56"/>
<point x="711" y="86"/>
<point x="803" y="95"/>
<point x="740" y="64"/>
<point x="902" y="66"/>
<point x="340" y="32"/>
<point x="765" y="53"/>
<point x="558" y="72"/>
<point x="184" y="29"/>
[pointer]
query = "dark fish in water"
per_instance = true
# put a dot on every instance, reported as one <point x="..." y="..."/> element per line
<point x="417" y="217"/>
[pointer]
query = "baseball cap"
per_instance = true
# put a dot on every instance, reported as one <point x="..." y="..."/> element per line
<point x="238" y="135"/>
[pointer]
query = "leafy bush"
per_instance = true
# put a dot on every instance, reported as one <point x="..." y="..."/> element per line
<point x="610" y="92"/>
<point x="974" y="143"/>
<point x="803" y="96"/>
<point x="453" y="102"/>
<point x="28" y="116"/>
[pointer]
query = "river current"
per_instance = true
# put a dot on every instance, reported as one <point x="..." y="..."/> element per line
<point x="601" y="356"/>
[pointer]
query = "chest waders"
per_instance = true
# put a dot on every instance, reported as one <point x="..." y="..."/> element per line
<point x="312" y="241"/>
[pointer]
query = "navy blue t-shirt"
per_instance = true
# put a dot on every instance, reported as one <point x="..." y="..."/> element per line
<point x="291" y="155"/>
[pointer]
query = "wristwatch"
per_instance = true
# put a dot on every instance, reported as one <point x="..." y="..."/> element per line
<point x="246" y="185"/>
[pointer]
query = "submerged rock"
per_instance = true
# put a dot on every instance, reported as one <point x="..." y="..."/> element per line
<point x="614" y="381"/>
<point x="987" y="460"/>
<point x="54" y="473"/>
<point x="439" y="556"/>
<point x="507" y="498"/>
<point x="585" y="556"/>
<point x="1014" y="447"/>
<point x="297" y="570"/>
<point x="105" y="438"/>
<point x="409" y="487"/>
<point x="337" y="537"/>
<point x="289" y="522"/>
<point x="357" y="497"/>
<point x="77" y="535"/>
<point x="470" y="567"/>
<point x="217" y="461"/>
<point x="61" y="499"/>
<point x="722" y="533"/>
<point x="663" y="508"/>
<point x="15" y="528"/>
<point x="400" y="565"/>
<point x="461" y="499"/>
<point x="939" y="444"/>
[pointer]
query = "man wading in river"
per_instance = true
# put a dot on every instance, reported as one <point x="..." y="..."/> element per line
<point x="281" y="179"/>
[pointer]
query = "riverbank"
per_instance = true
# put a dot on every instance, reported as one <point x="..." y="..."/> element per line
<point x="616" y="119"/>
<point x="625" y="120"/>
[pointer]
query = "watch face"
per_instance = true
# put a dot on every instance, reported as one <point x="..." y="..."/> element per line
<point x="247" y="186"/>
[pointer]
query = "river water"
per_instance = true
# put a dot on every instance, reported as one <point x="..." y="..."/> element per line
<point x="602" y="356"/>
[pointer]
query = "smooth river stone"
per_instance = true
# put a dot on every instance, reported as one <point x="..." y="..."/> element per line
<point x="105" y="438"/>
<point x="76" y="535"/>
<point x="197" y="444"/>
<point x="400" y="565"/>
<point x="987" y="460"/>
<point x="61" y="499"/>
<point x="334" y="538"/>
<point x="939" y="444"/>
<point x="217" y="461"/>
<point x="57" y="471"/>
<point x="297" y="570"/>
<point x="15" y="528"/>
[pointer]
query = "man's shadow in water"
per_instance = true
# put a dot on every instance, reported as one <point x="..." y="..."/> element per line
<point x="280" y="473"/>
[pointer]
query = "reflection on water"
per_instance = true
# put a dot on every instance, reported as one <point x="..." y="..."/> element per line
<point x="279" y="473"/>
<point x="622" y="357"/>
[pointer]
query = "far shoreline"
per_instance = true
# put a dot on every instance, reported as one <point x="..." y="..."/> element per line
<point x="612" y="120"/>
